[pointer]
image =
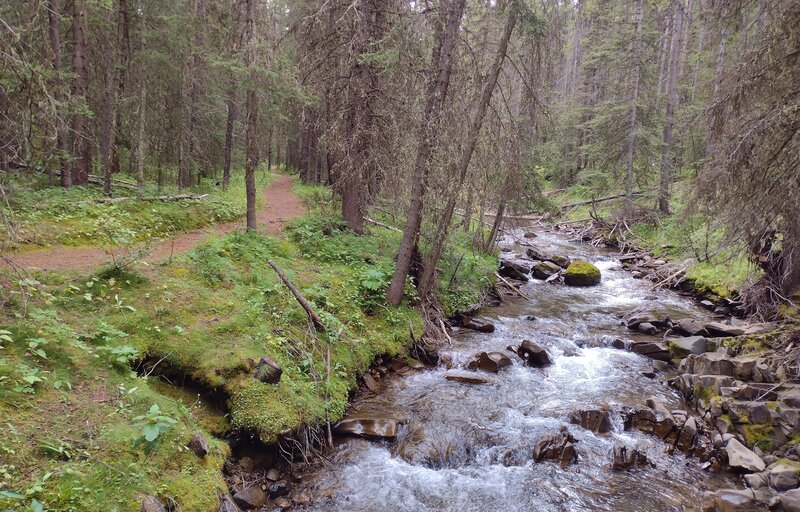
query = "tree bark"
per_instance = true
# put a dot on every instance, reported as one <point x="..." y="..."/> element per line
<point x="429" y="272"/>
<point x="443" y="56"/>
<point x="229" y="124"/>
<point x="81" y="146"/>
<point x="54" y="25"/>
<point x="251" y="142"/>
<point x="637" y="68"/>
<point x="672" y="104"/>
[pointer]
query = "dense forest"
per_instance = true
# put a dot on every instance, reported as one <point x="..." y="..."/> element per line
<point x="382" y="154"/>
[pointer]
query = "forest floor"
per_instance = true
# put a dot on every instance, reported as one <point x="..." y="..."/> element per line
<point x="279" y="205"/>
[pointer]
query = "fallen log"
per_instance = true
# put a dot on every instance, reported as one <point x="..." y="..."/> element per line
<point x="382" y="225"/>
<point x="147" y="198"/>
<point x="514" y="288"/>
<point x="312" y="315"/>
<point x="96" y="180"/>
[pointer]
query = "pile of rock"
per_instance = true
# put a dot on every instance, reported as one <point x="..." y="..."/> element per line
<point x="558" y="447"/>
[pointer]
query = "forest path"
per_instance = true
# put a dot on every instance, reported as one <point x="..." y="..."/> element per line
<point x="280" y="205"/>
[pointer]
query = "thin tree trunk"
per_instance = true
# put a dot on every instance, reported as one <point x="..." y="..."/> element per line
<point x="140" y="145"/>
<point x="429" y="272"/>
<point x="720" y="68"/>
<point x="444" y="54"/>
<point x="637" y="67"/>
<point x="251" y="143"/>
<point x="54" y="22"/>
<point x="229" y="124"/>
<point x="672" y="104"/>
<point x="81" y="147"/>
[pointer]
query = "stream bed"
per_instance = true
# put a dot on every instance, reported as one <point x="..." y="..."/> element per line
<point x="469" y="447"/>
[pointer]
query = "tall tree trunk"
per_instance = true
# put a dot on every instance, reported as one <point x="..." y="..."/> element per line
<point x="429" y="272"/>
<point x="81" y="144"/>
<point x="719" y="69"/>
<point x="672" y="104"/>
<point x="54" y="25"/>
<point x="229" y="124"/>
<point x="637" y="71"/>
<point x="443" y="57"/>
<point x="251" y="141"/>
<point x="140" y="143"/>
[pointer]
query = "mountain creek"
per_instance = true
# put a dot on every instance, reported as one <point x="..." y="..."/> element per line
<point x="571" y="421"/>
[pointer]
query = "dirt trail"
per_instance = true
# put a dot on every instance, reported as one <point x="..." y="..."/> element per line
<point x="280" y="205"/>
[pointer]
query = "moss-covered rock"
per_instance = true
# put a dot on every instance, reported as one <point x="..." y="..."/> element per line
<point x="582" y="273"/>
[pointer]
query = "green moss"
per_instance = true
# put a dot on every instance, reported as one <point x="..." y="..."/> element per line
<point x="758" y="435"/>
<point x="582" y="273"/>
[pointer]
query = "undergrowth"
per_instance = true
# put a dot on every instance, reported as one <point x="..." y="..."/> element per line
<point x="83" y="431"/>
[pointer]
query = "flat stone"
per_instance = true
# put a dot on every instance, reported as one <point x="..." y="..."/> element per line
<point x="655" y="316"/>
<point x="683" y="347"/>
<point x="368" y="427"/>
<point x="514" y="270"/>
<point x="690" y="327"/>
<point x="477" y="325"/>
<point x="651" y="349"/>
<point x="544" y="269"/>
<point x="713" y="363"/>
<point x="250" y="497"/>
<point x="721" y="329"/>
<point x="739" y="456"/>
<point x="466" y="377"/>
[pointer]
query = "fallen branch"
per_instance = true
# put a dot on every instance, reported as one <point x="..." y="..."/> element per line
<point x="96" y="180"/>
<point x="147" y="198"/>
<point x="312" y="315"/>
<point x="382" y="225"/>
<point x="519" y="292"/>
<point x="602" y="199"/>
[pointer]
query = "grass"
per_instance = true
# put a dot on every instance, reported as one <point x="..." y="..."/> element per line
<point x="75" y="413"/>
<point x="44" y="216"/>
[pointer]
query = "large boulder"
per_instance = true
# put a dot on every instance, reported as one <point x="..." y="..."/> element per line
<point x="491" y="362"/>
<point x="784" y="475"/>
<point x="740" y="457"/>
<point x="582" y="273"/>
<point x="596" y="420"/>
<point x="533" y="354"/>
<point x="712" y="363"/>
<point x="544" y="269"/>
<point x="561" y="261"/>
<point x="370" y="427"/>
<point x="537" y="254"/>
<point x="787" y="502"/>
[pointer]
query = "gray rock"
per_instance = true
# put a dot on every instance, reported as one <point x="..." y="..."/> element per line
<point x="514" y="270"/>
<point x="626" y="458"/>
<point x="687" y="435"/>
<point x="690" y="327"/>
<point x="268" y="371"/>
<point x="226" y="503"/>
<point x="278" y="489"/>
<point x="787" y="502"/>
<point x="739" y="456"/>
<point x="683" y="347"/>
<point x="655" y="316"/>
<point x="720" y="329"/>
<point x="199" y="445"/>
<point x="250" y="497"/>
<point x="647" y="328"/>
<point x="151" y="504"/>
<point x="537" y="254"/>
<point x="784" y="476"/>
<point x="756" y="480"/>
<point x="712" y="363"/>
<point x="544" y="269"/>
<point x="730" y="500"/>
<point x="650" y="349"/>
<point x="561" y="261"/>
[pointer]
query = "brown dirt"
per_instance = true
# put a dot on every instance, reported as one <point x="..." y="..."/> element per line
<point x="280" y="205"/>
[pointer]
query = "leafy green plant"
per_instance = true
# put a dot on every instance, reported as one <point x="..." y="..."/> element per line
<point x="121" y="356"/>
<point x="153" y="423"/>
<point x="5" y="336"/>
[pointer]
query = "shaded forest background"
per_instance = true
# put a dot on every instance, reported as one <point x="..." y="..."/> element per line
<point x="431" y="114"/>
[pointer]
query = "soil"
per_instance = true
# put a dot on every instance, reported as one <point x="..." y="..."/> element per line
<point x="279" y="206"/>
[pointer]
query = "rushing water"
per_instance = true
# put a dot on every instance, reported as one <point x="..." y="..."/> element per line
<point x="468" y="447"/>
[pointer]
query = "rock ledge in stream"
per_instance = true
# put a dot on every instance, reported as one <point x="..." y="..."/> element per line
<point x="581" y="273"/>
<point x="596" y="420"/>
<point x="533" y="355"/>
<point x="369" y="427"/>
<point x="559" y="447"/>
<point x="466" y="377"/>
<point x="491" y="362"/>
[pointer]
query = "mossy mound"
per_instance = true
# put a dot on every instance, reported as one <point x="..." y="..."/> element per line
<point x="582" y="273"/>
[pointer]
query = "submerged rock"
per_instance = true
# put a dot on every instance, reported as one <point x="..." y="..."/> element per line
<point x="730" y="500"/>
<point x="466" y="377"/>
<point x="491" y="362"/>
<point x="545" y="269"/>
<point x="654" y="316"/>
<point x="369" y="427"/>
<point x="533" y="354"/>
<point x="582" y="273"/>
